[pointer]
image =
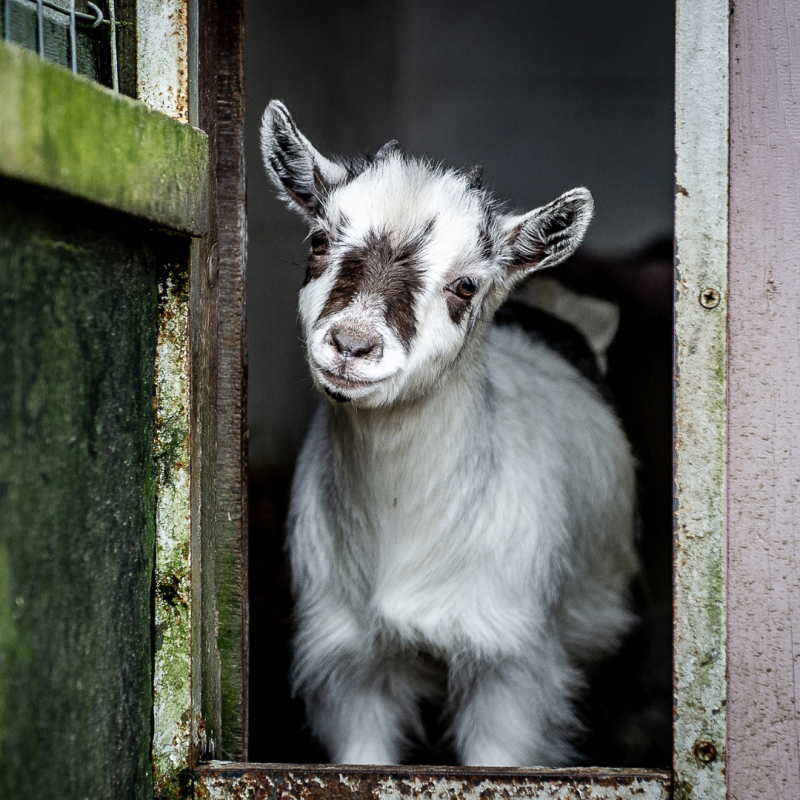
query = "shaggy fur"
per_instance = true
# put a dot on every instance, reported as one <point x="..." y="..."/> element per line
<point x="461" y="524"/>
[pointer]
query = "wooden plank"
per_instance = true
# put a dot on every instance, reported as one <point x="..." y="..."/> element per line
<point x="764" y="402"/>
<point x="64" y="132"/>
<point x="78" y="330"/>
<point x="206" y="664"/>
<point x="701" y="230"/>
<point x="320" y="782"/>
<point x="219" y="522"/>
<point x="231" y="466"/>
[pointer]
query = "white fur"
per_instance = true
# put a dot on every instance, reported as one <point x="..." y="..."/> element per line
<point x="462" y="529"/>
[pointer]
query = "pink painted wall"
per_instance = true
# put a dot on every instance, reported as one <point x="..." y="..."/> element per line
<point x="764" y="402"/>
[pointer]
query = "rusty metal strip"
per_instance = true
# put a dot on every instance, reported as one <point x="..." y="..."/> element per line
<point x="162" y="56"/>
<point x="224" y="781"/>
<point x="701" y="220"/>
<point x="162" y="75"/>
<point x="173" y="591"/>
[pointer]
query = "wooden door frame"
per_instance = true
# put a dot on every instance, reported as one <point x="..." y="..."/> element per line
<point x="735" y="421"/>
<point x="219" y="379"/>
<point x="190" y="66"/>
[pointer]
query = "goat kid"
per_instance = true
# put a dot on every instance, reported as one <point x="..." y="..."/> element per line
<point x="461" y="522"/>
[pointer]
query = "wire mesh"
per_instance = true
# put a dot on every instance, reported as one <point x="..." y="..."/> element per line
<point x="83" y="39"/>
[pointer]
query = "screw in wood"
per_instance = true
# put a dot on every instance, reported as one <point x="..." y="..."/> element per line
<point x="704" y="751"/>
<point x="709" y="297"/>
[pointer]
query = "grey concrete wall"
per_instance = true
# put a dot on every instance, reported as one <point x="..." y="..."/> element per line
<point x="545" y="95"/>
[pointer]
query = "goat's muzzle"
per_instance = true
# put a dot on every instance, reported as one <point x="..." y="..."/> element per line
<point x="351" y="343"/>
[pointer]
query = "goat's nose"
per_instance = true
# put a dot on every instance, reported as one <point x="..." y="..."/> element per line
<point x="352" y="344"/>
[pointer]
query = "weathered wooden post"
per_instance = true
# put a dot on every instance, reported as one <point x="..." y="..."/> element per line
<point x="122" y="580"/>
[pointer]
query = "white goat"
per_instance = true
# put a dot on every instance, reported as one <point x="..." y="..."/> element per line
<point x="461" y="524"/>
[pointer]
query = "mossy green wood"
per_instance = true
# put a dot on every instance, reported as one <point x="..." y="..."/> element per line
<point x="78" y="330"/>
<point x="64" y="132"/>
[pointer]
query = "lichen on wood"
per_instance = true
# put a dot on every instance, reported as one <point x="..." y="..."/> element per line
<point x="77" y="493"/>
<point x="701" y="219"/>
<point x="172" y="675"/>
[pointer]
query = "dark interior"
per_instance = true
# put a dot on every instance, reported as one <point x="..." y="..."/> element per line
<point x="545" y="96"/>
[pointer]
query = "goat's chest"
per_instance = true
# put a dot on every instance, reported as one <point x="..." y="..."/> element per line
<point x="401" y="517"/>
<point x="429" y="553"/>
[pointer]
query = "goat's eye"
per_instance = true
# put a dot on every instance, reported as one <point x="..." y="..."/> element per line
<point x="319" y="243"/>
<point x="464" y="287"/>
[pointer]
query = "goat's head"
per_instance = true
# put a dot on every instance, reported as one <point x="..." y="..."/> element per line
<point x="408" y="261"/>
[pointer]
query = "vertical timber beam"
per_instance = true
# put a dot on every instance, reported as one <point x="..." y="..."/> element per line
<point x="206" y="662"/>
<point x="230" y="578"/>
<point x="190" y="66"/>
<point x="219" y="519"/>
<point x="701" y="229"/>
<point x="764" y="405"/>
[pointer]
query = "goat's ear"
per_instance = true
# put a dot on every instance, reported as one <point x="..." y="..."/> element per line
<point x="391" y="147"/>
<point x="547" y="235"/>
<point x="299" y="172"/>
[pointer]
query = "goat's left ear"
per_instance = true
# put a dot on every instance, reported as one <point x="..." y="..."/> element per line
<point x="546" y="236"/>
<point x="299" y="172"/>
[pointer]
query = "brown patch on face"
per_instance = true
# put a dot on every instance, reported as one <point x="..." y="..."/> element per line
<point x="456" y="306"/>
<point x="352" y="275"/>
<point x="389" y="274"/>
<point x="315" y="267"/>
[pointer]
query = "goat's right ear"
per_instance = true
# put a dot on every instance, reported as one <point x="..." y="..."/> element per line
<point x="299" y="172"/>
<point x="546" y="236"/>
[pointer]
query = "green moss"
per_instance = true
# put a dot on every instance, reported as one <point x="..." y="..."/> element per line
<point x="64" y="132"/>
<point x="78" y="325"/>
<point x="172" y="678"/>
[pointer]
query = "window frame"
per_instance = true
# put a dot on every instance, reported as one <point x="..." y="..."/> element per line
<point x="700" y="397"/>
<point x="189" y="66"/>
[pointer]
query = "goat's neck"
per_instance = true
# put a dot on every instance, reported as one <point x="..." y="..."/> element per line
<point x="436" y="428"/>
<point x="405" y="477"/>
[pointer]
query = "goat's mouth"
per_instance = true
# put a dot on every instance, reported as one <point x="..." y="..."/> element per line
<point x="343" y="389"/>
<point x="343" y="382"/>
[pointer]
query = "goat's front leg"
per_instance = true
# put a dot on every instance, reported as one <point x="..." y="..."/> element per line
<point x="363" y="705"/>
<point x="375" y="716"/>
<point x="515" y="713"/>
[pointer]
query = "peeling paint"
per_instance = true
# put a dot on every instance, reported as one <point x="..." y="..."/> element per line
<point x="701" y="222"/>
<point x="172" y="673"/>
<point x="162" y="45"/>
<point x="222" y="781"/>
